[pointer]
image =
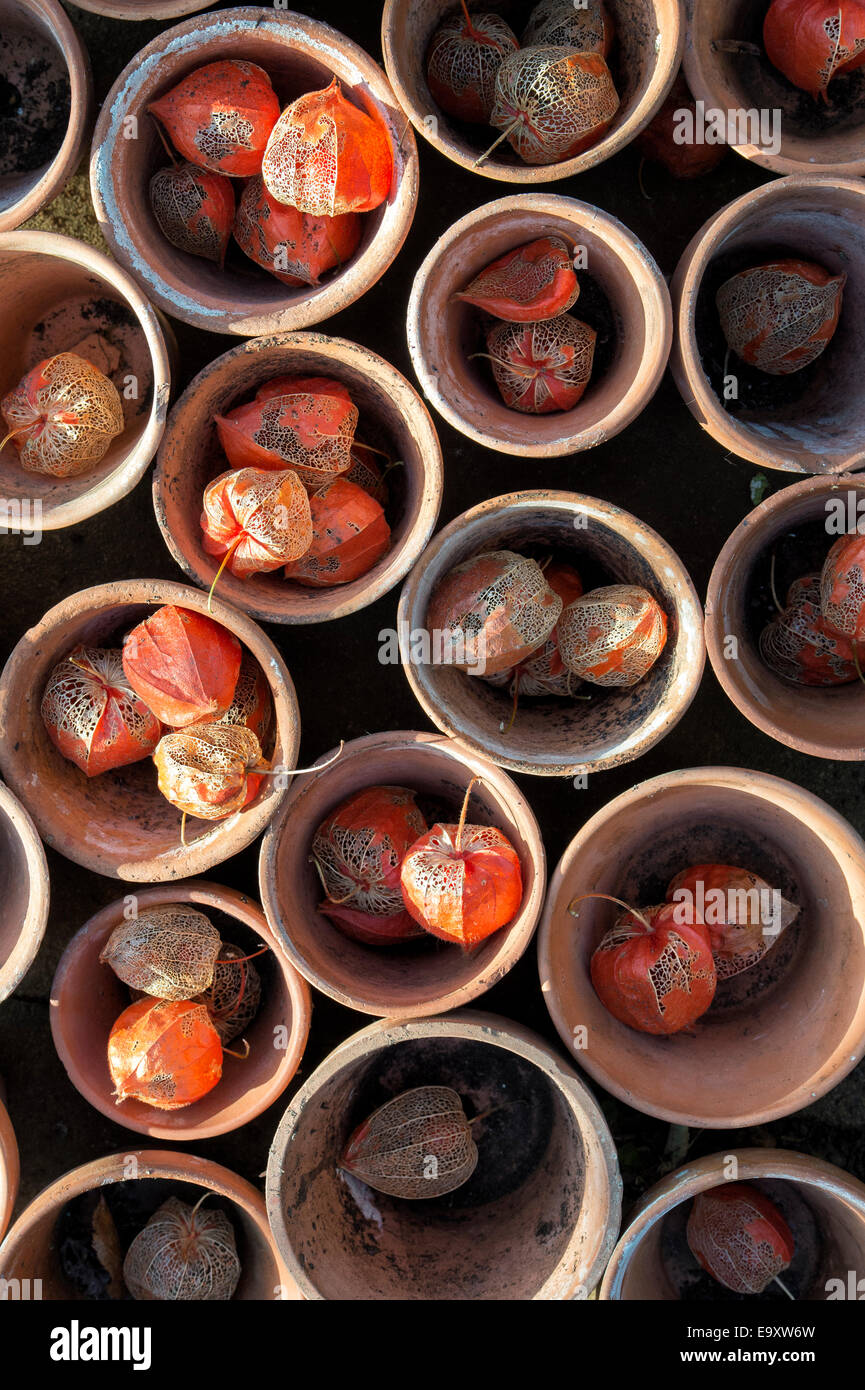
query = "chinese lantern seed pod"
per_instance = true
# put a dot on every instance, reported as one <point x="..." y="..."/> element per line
<point x="308" y="431"/>
<point x="203" y="770"/>
<point x="185" y="1255"/>
<point x="612" y="636"/>
<point x="194" y="209"/>
<point x="742" y="914"/>
<point x="168" y="952"/>
<point x="587" y="27"/>
<point x="92" y="715"/>
<point x="164" y="1052"/>
<point x="183" y="664"/>
<point x="251" y="703"/>
<point x="464" y="56"/>
<point x="494" y="610"/>
<point x="544" y="672"/>
<point x="541" y="367"/>
<point x="780" y="317"/>
<point x="552" y="103"/>
<point x="842" y="589"/>
<point x="294" y="246"/>
<point x="233" y="997"/>
<point x="529" y="284"/>
<point x="739" y="1236"/>
<point x="811" y="41"/>
<point x="801" y="646"/>
<point x="257" y="519"/>
<point x="349" y="535"/>
<point x="62" y="416"/>
<point x="417" y="1145"/>
<point x="220" y="116"/>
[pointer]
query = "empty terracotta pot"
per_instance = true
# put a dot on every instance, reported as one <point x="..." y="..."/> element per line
<point x="823" y="1206"/>
<point x="299" y="55"/>
<point x="9" y="1166"/>
<point x="31" y="1249"/>
<point x="87" y="998"/>
<point x="627" y="303"/>
<point x="556" y="737"/>
<point x="536" y="1220"/>
<point x="47" y="72"/>
<point x="812" y="421"/>
<point x="119" y="823"/>
<point x="60" y="295"/>
<point x="826" y="722"/>
<point x="392" y="418"/>
<point x="24" y="892"/>
<point x="142" y="9"/>
<point x="776" y="1036"/>
<point x="802" y="135"/>
<point x="644" y="62"/>
<point x="419" y="977"/>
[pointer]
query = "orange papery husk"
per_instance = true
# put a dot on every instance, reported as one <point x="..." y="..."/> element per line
<point x="658" y="978"/>
<point x="462" y="883"/>
<point x="183" y="1255"/>
<point x="541" y="367"/>
<point x="233" y="997"/>
<point x="62" y="416"/>
<point x="685" y="160"/>
<point x="183" y="665"/>
<point x="737" y="912"/>
<point x="164" y="1052"/>
<point x="194" y="209"/>
<point x="220" y="117"/>
<point x="391" y="1150"/>
<point x="359" y="849"/>
<point x="463" y="58"/>
<point x="802" y="646"/>
<point x="496" y="609"/>
<point x="544" y="672"/>
<point x="811" y="41"/>
<point x="779" y="317"/>
<point x="588" y="28"/>
<point x="327" y="157"/>
<point x="553" y="103"/>
<point x="259" y="518"/>
<point x="613" y="635"/>
<point x="93" y="716"/>
<point x="169" y="952"/>
<point x="294" y="246"/>
<point x="367" y="474"/>
<point x="842" y="588"/>
<point x="310" y="433"/>
<point x="739" y="1237"/>
<point x="204" y="770"/>
<point x="349" y="535"/>
<point x="531" y="283"/>
<point x="251" y="704"/>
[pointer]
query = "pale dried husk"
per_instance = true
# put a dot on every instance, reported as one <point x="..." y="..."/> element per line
<point x="562" y="105"/>
<point x="213" y="757"/>
<point x="393" y="1151"/>
<point x="234" y="997"/>
<point x="184" y="1254"/>
<point x="65" y="449"/>
<point x="561" y="22"/>
<point x="785" y="309"/>
<point x="168" y="952"/>
<point x="602" y="622"/>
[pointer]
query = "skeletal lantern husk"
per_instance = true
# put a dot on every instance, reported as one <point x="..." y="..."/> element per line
<point x="463" y="59"/>
<point x="251" y="704"/>
<point x="184" y="1254"/>
<point x="204" y="770"/>
<point x="544" y="366"/>
<point x="296" y="247"/>
<point x="168" y="952"/>
<point x="366" y="473"/>
<point x="742" y="915"/>
<point x="164" y="1052"/>
<point x="527" y="285"/>
<point x="802" y="646"/>
<point x="779" y="317"/>
<point x="842" y="589"/>
<point x="544" y="672"/>
<point x="194" y="209"/>
<point x="258" y="517"/>
<point x="350" y="534"/>
<point x="659" y="979"/>
<point x="554" y="102"/>
<point x="220" y="116"/>
<point x="811" y="41"/>
<point x="658" y="140"/>
<point x="62" y="416"/>
<point x="587" y="27"/>
<point x="327" y="157"/>
<point x="612" y="636"/>
<point x="183" y="665"/>
<point x="493" y="610"/>
<point x="462" y="882"/>
<point x="92" y="715"/>
<point x="417" y="1145"/>
<point x="739" y="1237"/>
<point x="233" y="997"/>
<point x="305" y="430"/>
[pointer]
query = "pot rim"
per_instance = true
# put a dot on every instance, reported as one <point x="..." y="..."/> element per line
<point x="10" y="1167"/>
<point x="155" y="9"/>
<point x="32" y="931"/>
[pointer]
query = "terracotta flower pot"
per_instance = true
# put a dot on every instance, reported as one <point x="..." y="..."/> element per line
<point x="142" y="9"/>
<point x="9" y="1166"/>
<point x="42" y="51"/>
<point x="87" y="998"/>
<point x="540" y="1223"/>
<point x="30" y="1250"/>
<point x="24" y="892"/>
<point x="557" y="737"/>
<point x="776" y="1036"/>
<point x="824" y="1206"/>
<point x="812" y="141"/>
<point x="824" y="721"/>
<point x="119" y="823"/>
<point x="444" y="331"/>
<point x="424" y="977"/>
<point x="820" y="428"/>
<point x="392" y="417"/>
<point x="60" y="295"/>
<point x="650" y="36"/>
<point x="300" y="55"/>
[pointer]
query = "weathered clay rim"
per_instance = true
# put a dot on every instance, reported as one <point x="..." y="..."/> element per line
<point x="636" y="261"/>
<point x="670" y="41"/>
<point x="357" y="69"/>
<point x="10" y="1167"/>
<point x="32" y="929"/>
<point x="474" y="1026"/>
<point x="155" y="9"/>
<point x="512" y="941"/>
<point x="711" y="1171"/>
<point x="326" y="604"/>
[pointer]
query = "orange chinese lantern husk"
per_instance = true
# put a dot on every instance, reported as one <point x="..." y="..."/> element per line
<point x="811" y="41"/>
<point x="194" y="209"/>
<point x="169" y="952"/>
<point x="495" y="610"/>
<point x="204" y="770"/>
<point x="588" y="27"/>
<point x="290" y="384"/>
<point x="612" y="636"/>
<point x="529" y="284"/>
<point x="349" y="536"/>
<point x="233" y="997"/>
<point x="294" y="246"/>
<point x="259" y="519"/>
<point x="737" y="909"/>
<point x="62" y="416"/>
<point x="366" y="473"/>
<point x="310" y="433"/>
<point x="220" y="117"/>
<point x="685" y="160"/>
<point x="541" y="367"/>
<point x="800" y="645"/>
<point x="544" y="672"/>
<point x="165" y="1053"/>
<point x="842" y="589"/>
<point x="739" y="1236"/>
<point x="658" y="978"/>
<point x="183" y="665"/>
<point x="185" y="1255"/>
<point x="779" y="317"/>
<point x="251" y="704"/>
<point x="92" y="715"/>
<point x="391" y="1150"/>
<point x="463" y="59"/>
<point x="327" y="157"/>
<point x="552" y="103"/>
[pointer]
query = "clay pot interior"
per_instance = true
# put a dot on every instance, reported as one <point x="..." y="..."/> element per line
<point x="420" y="976"/>
<point x="622" y="297"/>
<point x="824" y="721"/>
<point x="776" y="1036"/>
<point x="557" y="737"/>
<point x="23" y="892"/>
<point x="9" y="1165"/>
<point x="392" y="419"/>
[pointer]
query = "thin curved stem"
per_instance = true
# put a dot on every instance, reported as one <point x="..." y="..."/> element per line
<point x="634" y="911"/>
<point x="462" y="822"/>
<point x="504" y="135"/>
<point x="225" y="559"/>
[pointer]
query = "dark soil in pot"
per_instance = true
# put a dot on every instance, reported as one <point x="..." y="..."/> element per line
<point x="34" y="101"/>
